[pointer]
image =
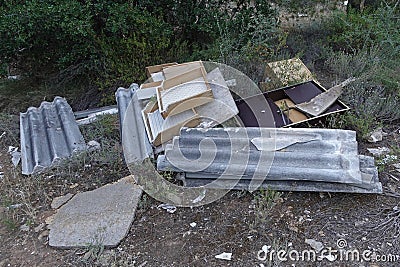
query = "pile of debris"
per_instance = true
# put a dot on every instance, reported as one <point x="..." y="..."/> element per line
<point x="298" y="159"/>
<point x="175" y="118"/>
<point x="196" y="95"/>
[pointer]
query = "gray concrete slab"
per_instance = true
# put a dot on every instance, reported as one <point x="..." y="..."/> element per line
<point x="99" y="217"/>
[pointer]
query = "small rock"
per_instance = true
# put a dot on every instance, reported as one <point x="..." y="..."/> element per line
<point x="73" y="186"/>
<point x="87" y="255"/>
<point x="376" y="136"/>
<point x="396" y="165"/>
<point x="316" y="245"/>
<point x="39" y="227"/>
<point x="15" y="155"/>
<point x="93" y="145"/>
<point x="224" y="256"/>
<point x="15" y="206"/>
<point x="14" y="77"/>
<point x="43" y="234"/>
<point x="59" y="201"/>
<point x="49" y="219"/>
<point x="193" y="224"/>
<point x="24" y="228"/>
<point x="357" y="224"/>
<point x="376" y="152"/>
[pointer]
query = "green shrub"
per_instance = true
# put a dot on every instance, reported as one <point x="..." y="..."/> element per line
<point x="366" y="45"/>
<point x="354" y="30"/>
<point x="40" y="34"/>
<point x="73" y="44"/>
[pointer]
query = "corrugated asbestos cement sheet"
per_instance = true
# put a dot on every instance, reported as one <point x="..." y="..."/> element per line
<point x="283" y="159"/>
<point x="48" y="133"/>
<point x="133" y="134"/>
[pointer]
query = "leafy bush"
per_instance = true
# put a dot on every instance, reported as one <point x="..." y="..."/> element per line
<point x="108" y="43"/>
<point x="39" y="33"/>
<point x="367" y="45"/>
<point x="355" y="30"/>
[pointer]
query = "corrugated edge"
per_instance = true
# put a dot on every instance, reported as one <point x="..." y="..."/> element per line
<point x="136" y="146"/>
<point x="366" y="166"/>
<point x="363" y="165"/>
<point x="48" y="133"/>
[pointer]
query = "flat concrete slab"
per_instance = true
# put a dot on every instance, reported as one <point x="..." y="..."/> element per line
<point x="99" y="217"/>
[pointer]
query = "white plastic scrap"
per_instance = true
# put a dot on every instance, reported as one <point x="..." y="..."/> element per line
<point x="2" y="135"/>
<point x="94" y="116"/>
<point x="224" y="256"/>
<point x="15" y="154"/>
<point x="200" y="197"/>
<point x="193" y="224"/>
<point x="168" y="207"/>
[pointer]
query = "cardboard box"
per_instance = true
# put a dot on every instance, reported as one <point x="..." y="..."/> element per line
<point x="157" y="69"/>
<point x="184" y="92"/>
<point x="169" y="127"/>
<point x="148" y="90"/>
<point x="254" y="111"/>
<point x="178" y="69"/>
<point x="284" y="73"/>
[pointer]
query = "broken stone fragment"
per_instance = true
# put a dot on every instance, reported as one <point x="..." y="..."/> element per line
<point x="316" y="245"/>
<point x="102" y="216"/>
<point x="377" y="152"/>
<point x="93" y="145"/>
<point x="376" y="136"/>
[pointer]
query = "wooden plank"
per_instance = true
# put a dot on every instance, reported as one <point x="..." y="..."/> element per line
<point x="157" y="68"/>
<point x="176" y="70"/>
